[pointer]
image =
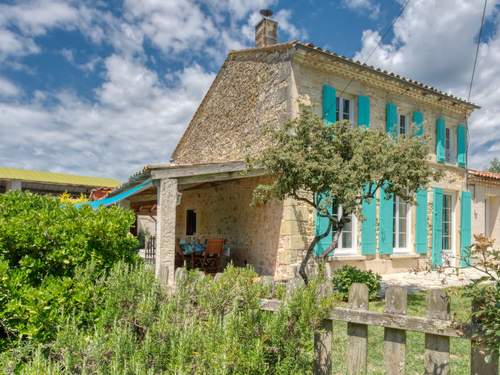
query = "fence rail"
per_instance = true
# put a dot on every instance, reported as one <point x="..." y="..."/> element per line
<point x="437" y="327"/>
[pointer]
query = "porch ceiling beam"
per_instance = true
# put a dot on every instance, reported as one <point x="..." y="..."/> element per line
<point x="196" y="170"/>
<point x="219" y="177"/>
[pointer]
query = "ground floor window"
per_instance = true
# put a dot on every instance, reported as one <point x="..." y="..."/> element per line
<point x="447" y="222"/>
<point x="190" y="222"/>
<point x="346" y="245"/>
<point x="400" y="225"/>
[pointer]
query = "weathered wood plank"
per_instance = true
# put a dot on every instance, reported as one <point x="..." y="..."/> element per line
<point x="357" y="334"/>
<point x="437" y="347"/>
<point x="395" y="339"/>
<point x="478" y="364"/>
<point x="396" y="321"/>
<point x="323" y="348"/>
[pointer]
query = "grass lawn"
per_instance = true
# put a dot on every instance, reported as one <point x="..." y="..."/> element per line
<point x="460" y="348"/>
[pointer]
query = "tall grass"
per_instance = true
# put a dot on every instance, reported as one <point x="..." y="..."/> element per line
<point x="206" y="327"/>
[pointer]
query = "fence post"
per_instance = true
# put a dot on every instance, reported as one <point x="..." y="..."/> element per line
<point x="395" y="339"/>
<point x="323" y="338"/>
<point x="478" y="365"/>
<point x="437" y="348"/>
<point x="357" y="334"/>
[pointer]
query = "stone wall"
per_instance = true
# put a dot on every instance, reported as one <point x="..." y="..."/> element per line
<point x="250" y="93"/>
<point x="223" y="210"/>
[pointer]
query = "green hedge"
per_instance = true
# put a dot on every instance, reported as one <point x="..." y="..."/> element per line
<point x="42" y="243"/>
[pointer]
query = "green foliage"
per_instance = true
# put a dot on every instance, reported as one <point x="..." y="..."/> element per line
<point x="341" y="165"/>
<point x="206" y="326"/>
<point x="494" y="165"/>
<point x="50" y="253"/>
<point x="344" y="277"/>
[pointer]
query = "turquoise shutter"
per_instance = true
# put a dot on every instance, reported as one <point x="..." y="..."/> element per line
<point x="364" y="111"/>
<point x="418" y="121"/>
<point x="329" y="104"/>
<point x="321" y="226"/>
<point x="369" y="227"/>
<point x="461" y="145"/>
<point x="437" y="227"/>
<point x="386" y="228"/>
<point x="465" y="227"/>
<point x="421" y="222"/>
<point x="391" y="119"/>
<point x="440" y="139"/>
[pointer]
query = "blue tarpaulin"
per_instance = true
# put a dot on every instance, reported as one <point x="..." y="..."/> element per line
<point x="118" y="197"/>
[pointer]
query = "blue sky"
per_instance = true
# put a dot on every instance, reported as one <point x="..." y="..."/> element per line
<point x="105" y="87"/>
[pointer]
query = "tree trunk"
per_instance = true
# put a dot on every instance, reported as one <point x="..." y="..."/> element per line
<point x="310" y="249"/>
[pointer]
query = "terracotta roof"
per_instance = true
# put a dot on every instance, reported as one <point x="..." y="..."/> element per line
<point x="409" y="81"/>
<point x="484" y="175"/>
<point x="55" y="178"/>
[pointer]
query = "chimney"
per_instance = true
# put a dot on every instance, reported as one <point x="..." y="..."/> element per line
<point x="266" y="31"/>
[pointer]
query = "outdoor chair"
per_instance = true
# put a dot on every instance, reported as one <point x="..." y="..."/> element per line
<point x="214" y="251"/>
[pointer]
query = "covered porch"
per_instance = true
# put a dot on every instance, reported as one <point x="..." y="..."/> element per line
<point x="189" y="207"/>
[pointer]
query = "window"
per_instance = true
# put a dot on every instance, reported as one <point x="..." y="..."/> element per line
<point x="403" y="125"/>
<point x="346" y="240"/>
<point x="447" y="222"/>
<point x="400" y="225"/>
<point x="344" y="109"/>
<point x="190" y="222"/>
<point x="447" y="144"/>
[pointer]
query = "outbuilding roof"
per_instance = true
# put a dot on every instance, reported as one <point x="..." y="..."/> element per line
<point x="55" y="178"/>
<point x="484" y="175"/>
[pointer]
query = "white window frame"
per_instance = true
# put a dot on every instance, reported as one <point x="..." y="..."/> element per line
<point x="396" y="248"/>
<point x="451" y="253"/>
<point x="340" y="105"/>
<point x="347" y="251"/>
<point x="407" y="124"/>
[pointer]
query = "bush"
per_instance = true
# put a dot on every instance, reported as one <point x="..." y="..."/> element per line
<point x="50" y="253"/>
<point x="206" y="326"/>
<point x="344" y="277"/>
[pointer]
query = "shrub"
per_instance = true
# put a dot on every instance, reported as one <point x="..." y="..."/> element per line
<point x="344" y="277"/>
<point x="207" y="326"/>
<point x="50" y="254"/>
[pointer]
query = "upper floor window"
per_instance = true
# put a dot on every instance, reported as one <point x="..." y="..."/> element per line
<point x="447" y="144"/>
<point x="403" y="125"/>
<point x="345" y="109"/>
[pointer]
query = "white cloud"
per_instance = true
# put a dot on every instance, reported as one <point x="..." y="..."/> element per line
<point x="366" y="7"/>
<point x="8" y="89"/>
<point x="136" y="121"/>
<point x="438" y="48"/>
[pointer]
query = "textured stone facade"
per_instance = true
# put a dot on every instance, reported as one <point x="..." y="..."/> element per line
<point x="250" y="93"/>
<point x="263" y="87"/>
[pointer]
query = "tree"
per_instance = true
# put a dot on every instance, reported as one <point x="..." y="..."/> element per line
<point x="494" y="165"/>
<point x="339" y="165"/>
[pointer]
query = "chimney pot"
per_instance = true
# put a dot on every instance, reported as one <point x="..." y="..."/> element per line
<point x="266" y="31"/>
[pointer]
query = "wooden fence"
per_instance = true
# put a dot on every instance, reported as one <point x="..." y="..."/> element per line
<point x="437" y="327"/>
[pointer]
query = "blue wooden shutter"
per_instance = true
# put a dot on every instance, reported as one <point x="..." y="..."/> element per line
<point x="465" y="227"/>
<point x="421" y="222"/>
<point x="386" y="228"/>
<point x="418" y="120"/>
<point x="364" y="111"/>
<point x="440" y="139"/>
<point x="462" y="145"/>
<point x="391" y="119"/>
<point x="321" y="226"/>
<point x="369" y="227"/>
<point x="329" y="104"/>
<point x="437" y="227"/>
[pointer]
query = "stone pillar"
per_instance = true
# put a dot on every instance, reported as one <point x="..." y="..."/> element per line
<point x="165" y="231"/>
<point x="14" y="185"/>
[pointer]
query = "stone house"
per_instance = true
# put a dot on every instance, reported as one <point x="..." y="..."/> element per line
<point x="263" y="86"/>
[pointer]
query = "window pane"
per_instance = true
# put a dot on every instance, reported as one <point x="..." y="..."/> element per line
<point x="337" y="108"/>
<point x="346" y="109"/>
<point x="394" y="223"/>
<point x="446" y="222"/>
<point x="402" y="125"/>
<point x="346" y="240"/>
